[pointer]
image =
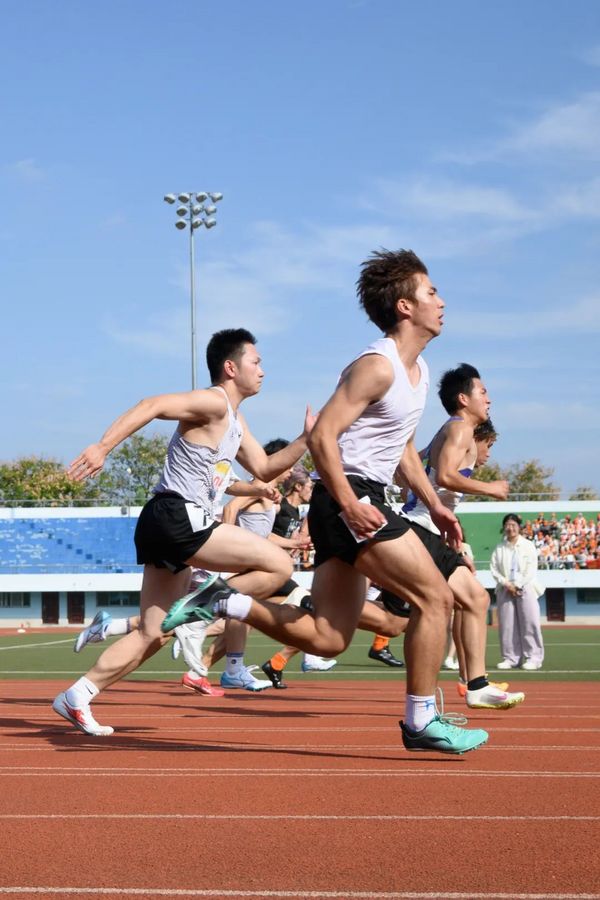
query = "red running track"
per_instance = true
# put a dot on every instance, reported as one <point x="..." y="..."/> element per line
<point x="299" y="793"/>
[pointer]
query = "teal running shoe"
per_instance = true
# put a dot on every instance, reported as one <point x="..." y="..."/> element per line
<point x="199" y="605"/>
<point x="443" y="737"/>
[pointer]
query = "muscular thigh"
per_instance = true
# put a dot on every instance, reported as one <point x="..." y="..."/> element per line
<point x="467" y="591"/>
<point x="404" y="567"/>
<point x="233" y="549"/>
<point x="338" y="594"/>
<point x="160" y="589"/>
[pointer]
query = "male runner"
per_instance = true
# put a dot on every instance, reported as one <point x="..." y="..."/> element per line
<point x="449" y="462"/>
<point x="176" y="529"/>
<point x="363" y="432"/>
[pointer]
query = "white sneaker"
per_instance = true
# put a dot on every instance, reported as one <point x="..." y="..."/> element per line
<point x="530" y="666"/>
<point x="190" y="639"/>
<point x="81" y="718"/>
<point x="451" y="664"/>
<point x="245" y="679"/>
<point x="490" y="697"/>
<point x="506" y="664"/>
<point x="312" y="663"/>
<point x="95" y="632"/>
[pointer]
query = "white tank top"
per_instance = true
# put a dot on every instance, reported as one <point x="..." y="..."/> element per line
<point x="373" y="445"/>
<point x="259" y="522"/>
<point x="198" y="473"/>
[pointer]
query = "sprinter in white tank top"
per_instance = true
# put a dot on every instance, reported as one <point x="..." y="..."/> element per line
<point x="204" y="421"/>
<point x="398" y="296"/>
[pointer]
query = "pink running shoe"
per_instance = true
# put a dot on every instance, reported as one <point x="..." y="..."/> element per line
<point x="201" y="685"/>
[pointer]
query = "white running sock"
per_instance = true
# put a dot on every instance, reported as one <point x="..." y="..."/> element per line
<point x="234" y="663"/>
<point x="236" y="606"/>
<point x="81" y="693"/>
<point x="420" y="711"/>
<point x="117" y="626"/>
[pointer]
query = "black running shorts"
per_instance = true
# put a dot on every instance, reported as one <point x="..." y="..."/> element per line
<point x="445" y="558"/>
<point x="170" y="530"/>
<point x="331" y="537"/>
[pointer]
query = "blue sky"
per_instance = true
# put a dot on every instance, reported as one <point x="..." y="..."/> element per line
<point x="469" y="132"/>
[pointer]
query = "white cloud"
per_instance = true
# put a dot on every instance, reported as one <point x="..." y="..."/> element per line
<point x="26" y="170"/>
<point x="571" y="127"/>
<point x="445" y="199"/>
<point x="581" y="316"/>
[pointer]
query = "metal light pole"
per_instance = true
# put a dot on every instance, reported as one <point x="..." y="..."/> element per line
<point x="193" y="213"/>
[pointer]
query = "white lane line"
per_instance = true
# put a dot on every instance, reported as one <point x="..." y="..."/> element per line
<point x="123" y="772"/>
<point x="26" y="646"/>
<point x="378" y="673"/>
<point x="311" y="818"/>
<point x="340" y="748"/>
<point x="325" y="895"/>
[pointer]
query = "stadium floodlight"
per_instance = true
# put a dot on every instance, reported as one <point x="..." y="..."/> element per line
<point x="193" y="213"/>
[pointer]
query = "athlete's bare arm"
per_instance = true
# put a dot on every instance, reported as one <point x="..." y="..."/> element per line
<point x="365" y="381"/>
<point x="192" y="408"/>
<point x="254" y="490"/>
<point x="254" y="459"/>
<point x="235" y="506"/>
<point x="456" y="447"/>
<point x="413" y="474"/>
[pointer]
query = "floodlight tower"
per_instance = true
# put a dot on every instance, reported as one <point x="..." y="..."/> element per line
<point x="193" y="213"/>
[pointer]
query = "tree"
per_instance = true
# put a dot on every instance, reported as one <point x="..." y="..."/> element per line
<point x="34" y="480"/>
<point x="132" y="471"/>
<point x="531" y="481"/>
<point x="585" y="493"/>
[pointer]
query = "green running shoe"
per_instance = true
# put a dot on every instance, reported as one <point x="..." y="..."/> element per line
<point x="444" y="737"/>
<point x="198" y="605"/>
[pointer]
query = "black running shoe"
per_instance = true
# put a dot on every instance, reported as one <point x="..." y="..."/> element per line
<point x="385" y="656"/>
<point x="274" y="675"/>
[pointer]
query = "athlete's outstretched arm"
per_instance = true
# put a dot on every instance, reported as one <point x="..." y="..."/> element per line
<point x="254" y="459"/>
<point x="198" y="406"/>
<point x="365" y="381"/>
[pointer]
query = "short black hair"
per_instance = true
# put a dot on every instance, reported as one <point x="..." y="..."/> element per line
<point x="511" y="517"/>
<point x="224" y="345"/>
<point x="485" y="431"/>
<point x="275" y="446"/>
<point x="386" y="276"/>
<point x="454" y="382"/>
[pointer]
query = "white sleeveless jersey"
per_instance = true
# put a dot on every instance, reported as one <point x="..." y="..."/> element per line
<point x="198" y="473"/>
<point x="373" y="445"/>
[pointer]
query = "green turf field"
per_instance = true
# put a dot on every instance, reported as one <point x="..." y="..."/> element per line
<point x="572" y="654"/>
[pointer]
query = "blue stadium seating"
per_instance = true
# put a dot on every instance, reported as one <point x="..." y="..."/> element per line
<point x="67" y="545"/>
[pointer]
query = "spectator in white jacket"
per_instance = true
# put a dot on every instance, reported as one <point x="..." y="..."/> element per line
<point x="514" y="569"/>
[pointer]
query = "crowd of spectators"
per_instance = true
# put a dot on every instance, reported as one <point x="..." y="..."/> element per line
<point x="567" y="543"/>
